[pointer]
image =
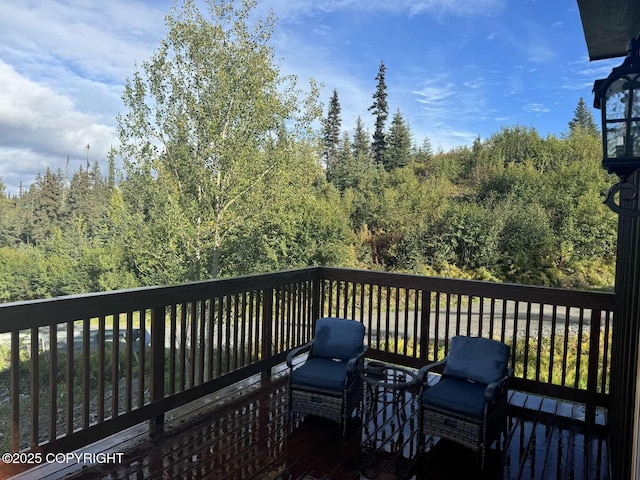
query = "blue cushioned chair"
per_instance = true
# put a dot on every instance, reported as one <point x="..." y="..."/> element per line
<point x="468" y="405"/>
<point x="327" y="384"/>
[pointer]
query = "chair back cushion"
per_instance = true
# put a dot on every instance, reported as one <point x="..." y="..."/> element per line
<point x="338" y="338"/>
<point x="478" y="359"/>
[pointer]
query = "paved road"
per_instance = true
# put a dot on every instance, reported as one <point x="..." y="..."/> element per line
<point x="474" y="327"/>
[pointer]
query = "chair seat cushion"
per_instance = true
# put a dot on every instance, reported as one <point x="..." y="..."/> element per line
<point x="456" y="396"/>
<point x="321" y="373"/>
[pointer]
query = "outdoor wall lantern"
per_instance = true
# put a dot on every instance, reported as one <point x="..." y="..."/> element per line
<point x="618" y="97"/>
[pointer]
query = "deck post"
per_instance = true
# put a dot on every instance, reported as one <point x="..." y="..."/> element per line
<point x="157" y="364"/>
<point x="625" y="337"/>
<point x="15" y="392"/>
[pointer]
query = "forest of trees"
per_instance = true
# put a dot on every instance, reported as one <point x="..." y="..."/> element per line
<point x="223" y="174"/>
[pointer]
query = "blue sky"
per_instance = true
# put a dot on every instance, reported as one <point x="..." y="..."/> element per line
<point x="456" y="69"/>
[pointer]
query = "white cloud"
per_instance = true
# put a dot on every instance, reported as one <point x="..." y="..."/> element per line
<point x="515" y="85"/>
<point x="433" y="94"/>
<point x="96" y="39"/>
<point x="540" y="52"/>
<point x="63" y="64"/>
<point x="40" y="127"/>
<point x="293" y="8"/>
<point x="536" y="108"/>
<point x="476" y="83"/>
<point x="458" y="8"/>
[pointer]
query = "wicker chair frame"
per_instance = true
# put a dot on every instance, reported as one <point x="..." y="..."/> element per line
<point x="473" y="433"/>
<point x="331" y="404"/>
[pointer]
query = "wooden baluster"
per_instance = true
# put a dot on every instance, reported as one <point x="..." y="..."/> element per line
<point x="157" y="363"/>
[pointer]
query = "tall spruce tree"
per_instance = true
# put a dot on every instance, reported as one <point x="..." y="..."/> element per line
<point x="331" y="134"/>
<point x="583" y="120"/>
<point x="399" y="146"/>
<point x="380" y="110"/>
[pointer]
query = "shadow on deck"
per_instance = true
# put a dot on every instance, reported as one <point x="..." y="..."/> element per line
<point x="243" y="433"/>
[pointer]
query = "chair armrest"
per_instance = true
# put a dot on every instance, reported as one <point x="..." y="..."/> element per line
<point x="424" y="371"/>
<point x="495" y="390"/>
<point x="352" y="365"/>
<point x="297" y="351"/>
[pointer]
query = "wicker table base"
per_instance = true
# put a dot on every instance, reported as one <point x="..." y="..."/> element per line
<point x="382" y="378"/>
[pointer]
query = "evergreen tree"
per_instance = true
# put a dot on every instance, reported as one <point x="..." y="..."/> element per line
<point x="331" y="134"/>
<point x="424" y="152"/>
<point x="8" y="222"/>
<point x="399" y="146"/>
<point x="79" y="198"/>
<point x="583" y="120"/>
<point x="45" y="206"/>
<point x="111" y="172"/>
<point x="361" y="145"/>
<point x="361" y="148"/>
<point x="380" y="110"/>
<point x="342" y="176"/>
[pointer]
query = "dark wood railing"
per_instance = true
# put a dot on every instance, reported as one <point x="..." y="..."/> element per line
<point x="84" y="367"/>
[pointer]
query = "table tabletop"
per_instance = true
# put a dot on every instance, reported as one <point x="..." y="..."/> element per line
<point x="386" y="375"/>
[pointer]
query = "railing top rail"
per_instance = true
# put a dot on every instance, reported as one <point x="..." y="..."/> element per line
<point x="37" y="313"/>
<point x="521" y="293"/>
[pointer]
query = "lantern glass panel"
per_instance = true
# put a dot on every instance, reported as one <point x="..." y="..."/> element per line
<point x="615" y="139"/>
<point x="635" y="83"/>
<point x="634" y="143"/>
<point x="616" y="106"/>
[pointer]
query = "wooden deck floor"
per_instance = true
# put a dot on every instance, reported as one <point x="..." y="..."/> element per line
<point x="244" y="434"/>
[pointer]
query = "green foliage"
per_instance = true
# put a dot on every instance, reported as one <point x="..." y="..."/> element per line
<point x="527" y="244"/>
<point x="467" y="236"/>
<point x="23" y="274"/>
<point x="298" y="220"/>
<point x="223" y="175"/>
<point x="194" y="171"/>
<point x="449" y="165"/>
<point x="392" y="210"/>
